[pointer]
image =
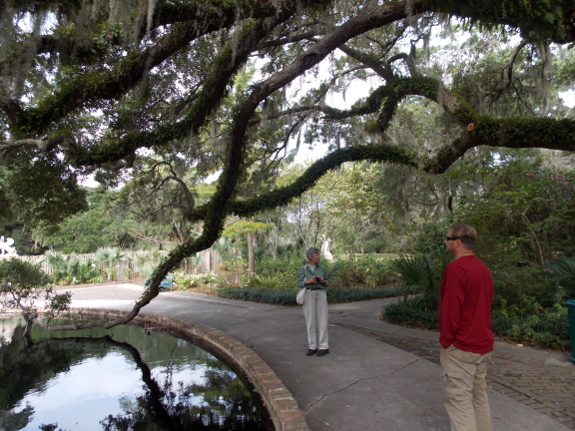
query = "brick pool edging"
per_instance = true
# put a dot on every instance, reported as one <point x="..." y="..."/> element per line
<point x="280" y="403"/>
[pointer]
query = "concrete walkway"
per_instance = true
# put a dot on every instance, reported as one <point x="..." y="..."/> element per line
<point x="377" y="376"/>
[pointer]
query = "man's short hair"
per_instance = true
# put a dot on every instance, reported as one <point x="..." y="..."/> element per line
<point x="310" y="252"/>
<point x="466" y="234"/>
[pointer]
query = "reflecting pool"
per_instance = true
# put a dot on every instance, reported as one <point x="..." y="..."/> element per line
<point x="125" y="378"/>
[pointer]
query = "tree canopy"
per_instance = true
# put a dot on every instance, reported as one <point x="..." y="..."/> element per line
<point x="166" y="93"/>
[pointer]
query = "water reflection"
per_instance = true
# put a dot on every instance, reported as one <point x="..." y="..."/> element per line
<point x="120" y="379"/>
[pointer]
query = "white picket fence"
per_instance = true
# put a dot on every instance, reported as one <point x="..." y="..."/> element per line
<point x="126" y="269"/>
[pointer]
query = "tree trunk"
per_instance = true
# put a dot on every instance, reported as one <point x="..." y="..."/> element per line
<point x="251" y="256"/>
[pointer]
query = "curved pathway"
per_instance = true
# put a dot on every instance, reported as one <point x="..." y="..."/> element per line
<point x="377" y="376"/>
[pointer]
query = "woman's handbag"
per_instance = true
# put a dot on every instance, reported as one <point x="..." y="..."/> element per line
<point x="300" y="297"/>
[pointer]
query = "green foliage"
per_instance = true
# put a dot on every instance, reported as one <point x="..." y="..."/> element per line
<point x="223" y="246"/>
<point x="544" y="18"/>
<point x="526" y="308"/>
<point x="70" y="270"/>
<point x="412" y="270"/>
<point x="547" y="328"/>
<point x="274" y="274"/>
<point x="185" y="281"/>
<point x="21" y="275"/>
<point x="283" y="297"/>
<point x="146" y="262"/>
<point x="42" y="191"/>
<point x="270" y="282"/>
<point x="243" y="227"/>
<point x="110" y="258"/>
<point x="563" y="273"/>
<point x="22" y="284"/>
<point x="524" y="210"/>
<point x="424" y="271"/>
<point x="366" y="271"/>
<point x="280" y="274"/>
<point x="141" y="101"/>
<point x="275" y="280"/>
<point x="411" y="312"/>
<point x="512" y="282"/>
<point x="102" y="224"/>
<point x="193" y="281"/>
<point x="427" y="238"/>
<point x="336" y="295"/>
<point x="286" y="266"/>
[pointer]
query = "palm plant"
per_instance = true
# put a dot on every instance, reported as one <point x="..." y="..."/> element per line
<point x="147" y="262"/>
<point x="71" y="269"/>
<point x="412" y="270"/>
<point x="563" y="273"/>
<point x="425" y="271"/>
<point x="59" y="264"/>
<point x="84" y="272"/>
<point x="110" y="258"/>
<point x="196" y="260"/>
<point x="224" y="248"/>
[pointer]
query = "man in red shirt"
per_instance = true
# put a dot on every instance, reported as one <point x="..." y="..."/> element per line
<point x="465" y="332"/>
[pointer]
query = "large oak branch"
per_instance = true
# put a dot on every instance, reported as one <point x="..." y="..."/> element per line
<point x="367" y="20"/>
<point x="225" y="66"/>
<point x="77" y="91"/>
<point x="508" y="133"/>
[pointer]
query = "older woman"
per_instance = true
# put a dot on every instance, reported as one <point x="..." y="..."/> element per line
<point x="313" y="276"/>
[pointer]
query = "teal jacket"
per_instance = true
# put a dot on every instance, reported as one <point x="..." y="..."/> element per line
<point x="305" y="273"/>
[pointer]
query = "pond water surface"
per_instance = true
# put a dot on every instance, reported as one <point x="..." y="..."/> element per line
<point x="118" y="379"/>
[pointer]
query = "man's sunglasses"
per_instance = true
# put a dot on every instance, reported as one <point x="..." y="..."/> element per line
<point x="451" y="238"/>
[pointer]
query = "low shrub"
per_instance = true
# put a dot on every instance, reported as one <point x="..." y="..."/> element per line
<point x="366" y="271"/>
<point x="339" y="295"/>
<point x="193" y="281"/>
<point x="271" y="282"/>
<point x="524" y="321"/>
<point x="282" y="297"/>
<point x="424" y="271"/>
<point x="515" y="283"/>
<point x="540" y="326"/>
<point x="412" y="312"/>
<point x="269" y="267"/>
<point x="287" y="297"/>
<point x="185" y="281"/>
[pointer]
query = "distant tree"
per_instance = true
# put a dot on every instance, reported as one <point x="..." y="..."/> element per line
<point x="247" y="229"/>
<point x="101" y="224"/>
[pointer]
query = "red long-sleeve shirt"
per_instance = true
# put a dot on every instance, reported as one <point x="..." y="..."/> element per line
<point x="465" y="306"/>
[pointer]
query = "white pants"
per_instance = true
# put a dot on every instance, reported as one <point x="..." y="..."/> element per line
<point x="315" y="312"/>
<point x="464" y="389"/>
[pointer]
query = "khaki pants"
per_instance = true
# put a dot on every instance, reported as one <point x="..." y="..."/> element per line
<point x="315" y="313"/>
<point x="464" y="389"/>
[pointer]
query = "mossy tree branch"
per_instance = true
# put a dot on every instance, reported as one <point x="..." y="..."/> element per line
<point x="85" y="88"/>
<point x="213" y="90"/>
<point x="213" y="225"/>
